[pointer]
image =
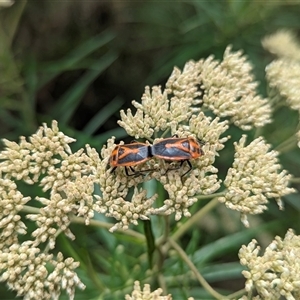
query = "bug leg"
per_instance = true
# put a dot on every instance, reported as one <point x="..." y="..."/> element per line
<point x="189" y="170"/>
<point x="134" y="173"/>
<point x="176" y="168"/>
<point x="126" y="171"/>
<point x="113" y="169"/>
<point x="181" y="163"/>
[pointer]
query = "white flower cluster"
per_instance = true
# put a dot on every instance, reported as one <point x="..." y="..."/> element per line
<point x="26" y="272"/>
<point x="113" y="201"/>
<point x="276" y="273"/>
<point x="46" y="158"/>
<point x="182" y="192"/>
<point x="254" y="177"/>
<point x="283" y="43"/>
<point x="203" y="180"/>
<point x="284" y="77"/>
<point x="11" y="203"/>
<point x="146" y="294"/>
<point x="28" y="160"/>
<point x="227" y="88"/>
<point x="230" y="90"/>
<point x="283" y="74"/>
<point x="6" y="3"/>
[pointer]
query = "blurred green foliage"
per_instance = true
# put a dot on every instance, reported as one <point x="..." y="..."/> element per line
<point x="80" y="62"/>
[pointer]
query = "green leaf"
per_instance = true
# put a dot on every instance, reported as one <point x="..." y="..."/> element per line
<point x="225" y="244"/>
<point x="103" y="115"/>
<point x="72" y="60"/>
<point x="68" y="103"/>
<point x="220" y="272"/>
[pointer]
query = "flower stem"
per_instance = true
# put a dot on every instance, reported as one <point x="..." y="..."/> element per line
<point x="195" y="218"/>
<point x="237" y="294"/>
<point x="287" y="145"/>
<point x="96" y="223"/>
<point x="295" y="180"/>
<point x="200" y="278"/>
<point x="150" y="241"/>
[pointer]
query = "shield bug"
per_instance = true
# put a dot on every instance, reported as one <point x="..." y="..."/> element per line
<point x="129" y="155"/>
<point x="178" y="149"/>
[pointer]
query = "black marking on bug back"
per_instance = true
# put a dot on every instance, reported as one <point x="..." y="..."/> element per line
<point x="200" y="151"/>
<point x="135" y="157"/>
<point x="164" y="149"/>
<point x="113" y="157"/>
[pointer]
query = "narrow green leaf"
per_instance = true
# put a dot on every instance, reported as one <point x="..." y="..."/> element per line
<point x="68" y="103"/>
<point x="226" y="243"/>
<point x="31" y="80"/>
<point x="224" y="271"/>
<point x="118" y="133"/>
<point x="103" y="115"/>
<point x="150" y="241"/>
<point x="78" y="53"/>
<point x="74" y="59"/>
<point x="10" y="18"/>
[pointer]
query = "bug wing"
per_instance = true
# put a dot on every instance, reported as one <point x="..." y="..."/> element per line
<point x="169" y="150"/>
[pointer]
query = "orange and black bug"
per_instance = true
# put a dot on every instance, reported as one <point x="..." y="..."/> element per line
<point x="129" y="155"/>
<point x="178" y="149"/>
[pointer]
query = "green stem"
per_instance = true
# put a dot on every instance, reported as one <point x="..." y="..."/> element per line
<point x="215" y="195"/>
<point x="12" y="22"/>
<point x="258" y="132"/>
<point x="237" y="294"/>
<point x="167" y="229"/>
<point x="96" y="223"/>
<point x="287" y="145"/>
<point x="162" y="282"/>
<point x="295" y="180"/>
<point x="200" y="278"/>
<point x="150" y="241"/>
<point x="196" y="217"/>
<point x="164" y="133"/>
<point x="57" y="233"/>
